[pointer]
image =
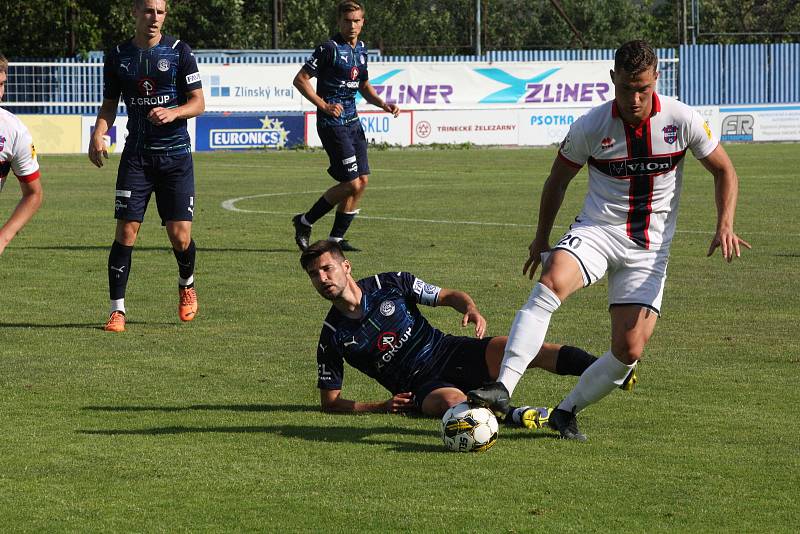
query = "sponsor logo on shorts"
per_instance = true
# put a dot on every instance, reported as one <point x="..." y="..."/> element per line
<point x="352" y="168"/>
<point x="192" y="78"/>
<point x="122" y="193"/>
<point x="387" y="308"/>
<point x="349" y="160"/>
<point x="118" y="205"/>
<point x="163" y="65"/>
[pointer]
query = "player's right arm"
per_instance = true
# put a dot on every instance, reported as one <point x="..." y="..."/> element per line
<point x="331" y="401"/>
<point x="319" y="60"/>
<point x="555" y="187"/>
<point x="26" y="169"/>
<point x="105" y="119"/>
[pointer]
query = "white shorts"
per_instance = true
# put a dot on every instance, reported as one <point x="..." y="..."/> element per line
<point x="635" y="275"/>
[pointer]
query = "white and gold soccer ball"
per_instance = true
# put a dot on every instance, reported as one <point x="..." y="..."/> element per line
<point x="468" y="429"/>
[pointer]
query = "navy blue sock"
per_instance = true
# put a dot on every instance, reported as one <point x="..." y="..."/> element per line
<point x="119" y="267"/>
<point x="573" y="361"/>
<point x="185" y="261"/>
<point x="341" y="223"/>
<point x="318" y="210"/>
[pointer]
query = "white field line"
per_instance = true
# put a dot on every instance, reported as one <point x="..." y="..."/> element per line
<point x="230" y="205"/>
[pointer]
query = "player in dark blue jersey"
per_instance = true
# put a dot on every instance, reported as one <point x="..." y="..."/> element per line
<point x="159" y="82"/>
<point x="340" y="66"/>
<point x="375" y="325"/>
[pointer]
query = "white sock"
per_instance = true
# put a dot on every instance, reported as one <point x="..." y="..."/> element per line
<point x="304" y="220"/>
<point x="597" y="381"/>
<point x="185" y="282"/>
<point x="117" y="305"/>
<point x="527" y="335"/>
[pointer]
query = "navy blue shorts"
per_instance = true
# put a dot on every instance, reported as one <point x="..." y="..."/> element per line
<point x="465" y="369"/>
<point x="347" y="150"/>
<point x="170" y="177"/>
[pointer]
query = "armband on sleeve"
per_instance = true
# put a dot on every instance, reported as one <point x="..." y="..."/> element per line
<point x="427" y="294"/>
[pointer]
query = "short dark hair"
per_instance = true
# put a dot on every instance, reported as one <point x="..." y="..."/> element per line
<point x="635" y="57"/>
<point x="138" y="4"/>
<point x="317" y="249"/>
<point x="348" y="6"/>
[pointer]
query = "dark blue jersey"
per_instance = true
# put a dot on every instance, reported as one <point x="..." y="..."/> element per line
<point x="157" y="77"/>
<point x="340" y="69"/>
<point x="392" y="342"/>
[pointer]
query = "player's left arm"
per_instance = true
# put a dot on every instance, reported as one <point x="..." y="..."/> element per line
<point x="331" y="401"/>
<point x="726" y="185"/>
<point x="462" y="302"/>
<point x="194" y="106"/>
<point x="371" y="96"/>
<point x="27" y="206"/>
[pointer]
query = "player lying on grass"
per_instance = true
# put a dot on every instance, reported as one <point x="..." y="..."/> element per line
<point x="376" y="327"/>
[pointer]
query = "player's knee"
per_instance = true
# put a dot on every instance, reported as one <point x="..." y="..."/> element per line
<point x="438" y="402"/>
<point x="628" y="351"/>
<point x="358" y="185"/>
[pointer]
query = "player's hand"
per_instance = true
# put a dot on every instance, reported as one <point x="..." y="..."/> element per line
<point x="536" y="248"/>
<point x="394" y="109"/>
<point x="728" y="242"/>
<point x="475" y="317"/>
<point x="97" y="151"/>
<point x="162" y="116"/>
<point x="334" y="110"/>
<point x="400" y="403"/>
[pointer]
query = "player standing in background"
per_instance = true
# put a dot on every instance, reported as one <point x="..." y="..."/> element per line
<point x="159" y="82"/>
<point x="340" y="66"/>
<point x="634" y="146"/>
<point x="18" y="155"/>
<point x="375" y="325"/>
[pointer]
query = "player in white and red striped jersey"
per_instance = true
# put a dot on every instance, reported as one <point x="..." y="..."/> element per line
<point x="634" y="147"/>
<point x="17" y="155"/>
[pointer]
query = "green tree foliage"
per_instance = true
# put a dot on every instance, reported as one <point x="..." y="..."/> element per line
<point x="749" y="21"/>
<point x="52" y="28"/>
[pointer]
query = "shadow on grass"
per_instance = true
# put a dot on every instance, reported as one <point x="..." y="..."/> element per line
<point x="208" y="407"/>
<point x="90" y="326"/>
<point x="321" y="434"/>
<point x="157" y="248"/>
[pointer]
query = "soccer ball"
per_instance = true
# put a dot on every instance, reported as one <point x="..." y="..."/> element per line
<point x="467" y="429"/>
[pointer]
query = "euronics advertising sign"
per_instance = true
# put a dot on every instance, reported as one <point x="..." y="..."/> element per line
<point x="417" y="86"/>
<point x="237" y="131"/>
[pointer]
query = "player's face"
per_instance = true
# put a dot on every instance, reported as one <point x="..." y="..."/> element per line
<point x="3" y="78"/>
<point x="634" y="93"/>
<point x="350" y="25"/>
<point x="150" y="17"/>
<point x="329" y="275"/>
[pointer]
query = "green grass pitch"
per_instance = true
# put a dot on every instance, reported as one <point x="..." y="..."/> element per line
<point x="214" y="425"/>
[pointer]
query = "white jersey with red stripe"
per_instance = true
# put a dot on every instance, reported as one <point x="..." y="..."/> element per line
<point x="16" y="150"/>
<point x="635" y="172"/>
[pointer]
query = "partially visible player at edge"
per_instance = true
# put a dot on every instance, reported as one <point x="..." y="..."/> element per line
<point x="159" y="82"/>
<point x="376" y="326"/>
<point x="18" y="155"/>
<point x="340" y="65"/>
<point x="634" y="146"/>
